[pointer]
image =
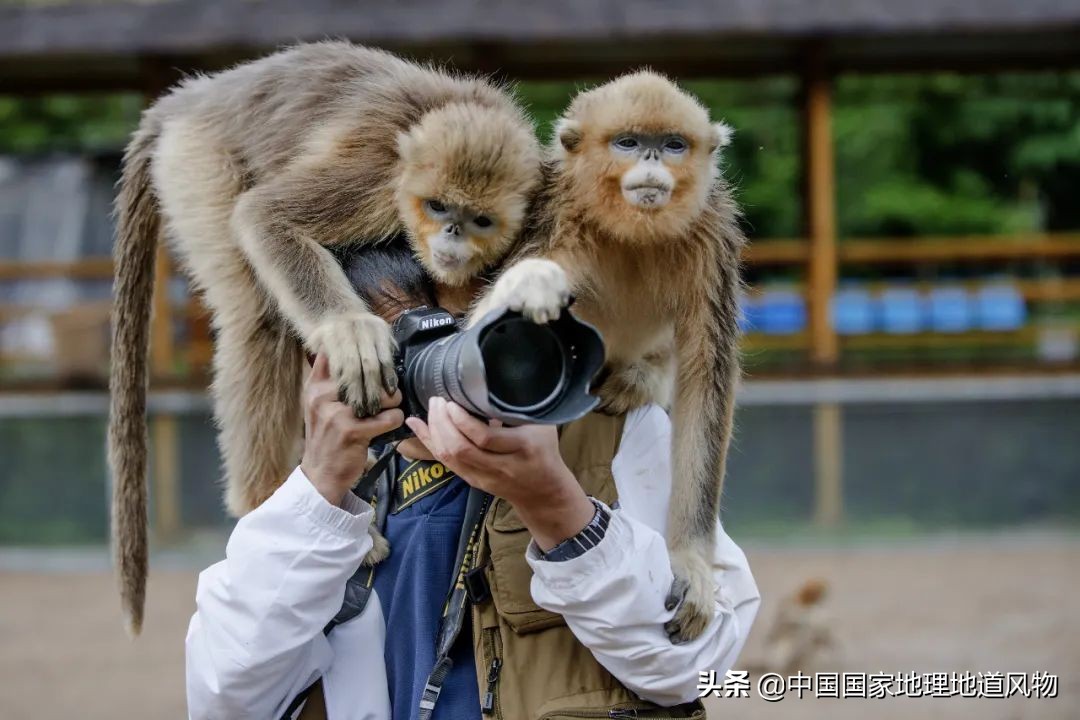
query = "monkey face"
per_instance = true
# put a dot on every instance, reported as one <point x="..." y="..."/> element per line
<point x="647" y="183"/>
<point x="467" y="174"/>
<point x="455" y="241"/>
<point x="639" y="157"/>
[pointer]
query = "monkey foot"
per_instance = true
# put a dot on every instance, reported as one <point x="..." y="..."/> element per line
<point x="379" y="551"/>
<point x="692" y="596"/>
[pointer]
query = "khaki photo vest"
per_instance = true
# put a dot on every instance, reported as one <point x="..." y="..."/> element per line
<point x="540" y="669"/>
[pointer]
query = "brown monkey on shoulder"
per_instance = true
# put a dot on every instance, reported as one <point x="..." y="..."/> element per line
<point x="251" y="175"/>
<point x="634" y="220"/>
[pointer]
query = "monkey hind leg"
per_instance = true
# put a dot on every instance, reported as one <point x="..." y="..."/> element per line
<point x="692" y="594"/>
<point x="650" y="379"/>
<point x="379" y="551"/>
<point x="258" y="371"/>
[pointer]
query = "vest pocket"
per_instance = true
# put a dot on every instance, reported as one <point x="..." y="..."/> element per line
<point x="509" y="574"/>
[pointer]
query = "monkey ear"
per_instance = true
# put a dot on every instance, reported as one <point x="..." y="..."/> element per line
<point x="569" y="133"/>
<point x="722" y="134"/>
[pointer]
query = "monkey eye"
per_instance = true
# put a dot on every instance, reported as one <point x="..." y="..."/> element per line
<point x="675" y="145"/>
<point x="626" y="143"/>
<point x="482" y="221"/>
<point x="435" y="206"/>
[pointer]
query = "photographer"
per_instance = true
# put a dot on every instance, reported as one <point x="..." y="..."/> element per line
<point x="569" y="620"/>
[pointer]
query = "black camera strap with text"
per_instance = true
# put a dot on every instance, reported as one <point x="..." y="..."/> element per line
<point x="457" y="600"/>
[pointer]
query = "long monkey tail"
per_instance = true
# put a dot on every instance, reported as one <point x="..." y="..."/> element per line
<point x="138" y="227"/>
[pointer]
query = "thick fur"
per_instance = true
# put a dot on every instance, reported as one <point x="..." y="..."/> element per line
<point x="660" y="284"/>
<point x="252" y="174"/>
<point x="136" y="246"/>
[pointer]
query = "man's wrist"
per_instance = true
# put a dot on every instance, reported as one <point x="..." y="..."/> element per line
<point x="557" y="516"/>
<point x="588" y="538"/>
<point x="332" y="491"/>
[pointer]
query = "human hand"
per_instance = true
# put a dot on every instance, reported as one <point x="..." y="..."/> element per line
<point x="520" y="464"/>
<point x="335" y="440"/>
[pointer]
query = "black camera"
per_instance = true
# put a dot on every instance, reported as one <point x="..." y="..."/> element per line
<point x="506" y="367"/>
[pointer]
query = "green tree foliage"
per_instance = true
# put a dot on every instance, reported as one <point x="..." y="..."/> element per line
<point x="67" y="122"/>
<point x="947" y="154"/>
<point x="916" y="155"/>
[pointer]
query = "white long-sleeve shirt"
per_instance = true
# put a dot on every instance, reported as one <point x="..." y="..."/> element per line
<point x="256" y="639"/>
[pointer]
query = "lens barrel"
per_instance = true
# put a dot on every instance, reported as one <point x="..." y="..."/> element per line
<point x="509" y="368"/>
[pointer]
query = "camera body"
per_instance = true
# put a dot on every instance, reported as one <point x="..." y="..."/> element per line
<point x="414" y="331"/>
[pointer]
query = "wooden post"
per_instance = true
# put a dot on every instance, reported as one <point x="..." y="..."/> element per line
<point x="164" y="429"/>
<point x="820" y="208"/>
<point x="828" y="465"/>
<point x="820" y="205"/>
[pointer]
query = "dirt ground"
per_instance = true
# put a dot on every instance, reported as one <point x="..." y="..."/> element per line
<point x="1006" y="603"/>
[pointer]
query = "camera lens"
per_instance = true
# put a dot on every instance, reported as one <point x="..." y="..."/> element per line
<point x="505" y="367"/>
<point x="525" y="364"/>
<point x="427" y="376"/>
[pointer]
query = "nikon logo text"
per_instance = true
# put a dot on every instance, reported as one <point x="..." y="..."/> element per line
<point x="428" y="323"/>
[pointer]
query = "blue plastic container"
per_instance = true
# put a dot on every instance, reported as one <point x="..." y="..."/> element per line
<point x="951" y="310"/>
<point x="901" y="311"/>
<point x="1000" y="307"/>
<point x="852" y="312"/>
<point x="780" y="312"/>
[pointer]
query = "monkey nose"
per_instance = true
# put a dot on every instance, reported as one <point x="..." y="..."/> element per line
<point x="453" y="230"/>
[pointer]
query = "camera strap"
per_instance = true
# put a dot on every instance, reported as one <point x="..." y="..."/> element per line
<point x="419" y="479"/>
<point x="457" y="600"/>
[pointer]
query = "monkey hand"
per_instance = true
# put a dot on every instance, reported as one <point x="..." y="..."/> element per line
<point x="538" y="288"/>
<point x="691" y="596"/>
<point x="360" y="349"/>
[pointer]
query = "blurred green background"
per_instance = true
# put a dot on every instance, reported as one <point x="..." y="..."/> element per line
<point x="938" y="154"/>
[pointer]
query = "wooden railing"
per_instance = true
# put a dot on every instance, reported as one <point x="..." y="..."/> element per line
<point x="921" y="250"/>
<point x="195" y="355"/>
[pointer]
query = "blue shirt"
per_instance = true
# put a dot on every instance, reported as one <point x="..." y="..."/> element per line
<point x="412" y="587"/>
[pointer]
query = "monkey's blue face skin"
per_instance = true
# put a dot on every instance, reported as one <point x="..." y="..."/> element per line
<point x="648" y="182"/>
<point x="457" y="235"/>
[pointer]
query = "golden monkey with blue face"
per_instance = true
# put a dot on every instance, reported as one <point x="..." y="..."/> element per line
<point x="634" y="220"/>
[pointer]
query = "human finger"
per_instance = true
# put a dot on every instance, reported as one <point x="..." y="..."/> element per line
<point x="486" y="437"/>
<point x="391" y="401"/>
<point x="420" y="429"/>
<point x="452" y="445"/>
<point x="383" y="422"/>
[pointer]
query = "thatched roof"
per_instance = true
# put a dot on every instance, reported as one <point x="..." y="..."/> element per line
<point x="44" y="41"/>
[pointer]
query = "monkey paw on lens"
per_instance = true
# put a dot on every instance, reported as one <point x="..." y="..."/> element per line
<point x="537" y="288"/>
<point x="692" y="595"/>
<point x="359" y="348"/>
